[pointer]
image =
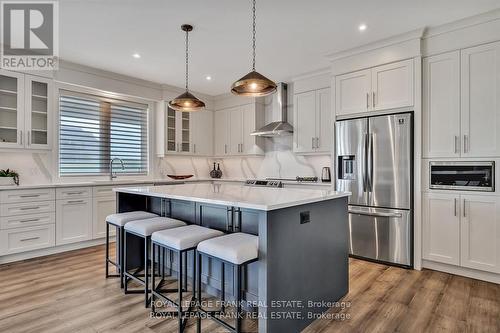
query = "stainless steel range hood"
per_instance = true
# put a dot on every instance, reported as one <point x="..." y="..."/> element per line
<point x="281" y="126"/>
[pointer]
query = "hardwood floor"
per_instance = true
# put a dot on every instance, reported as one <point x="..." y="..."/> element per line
<point x="68" y="293"/>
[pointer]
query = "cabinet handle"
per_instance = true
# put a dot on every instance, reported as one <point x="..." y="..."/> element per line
<point x="465" y="215"/>
<point x="373" y="101"/>
<point x="456" y="144"/>
<point x="29" y="196"/>
<point x="29" y="138"/>
<point x="229" y="219"/>
<point x="194" y="148"/>
<point x="312" y="143"/>
<point x="455" y="209"/>
<point x="225" y="149"/>
<point x="317" y="143"/>
<point x="28" y="239"/>
<point x="466" y="143"/>
<point x="20" y="137"/>
<point x="29" y="208"/>
<point x="237" y="225"/>
<point x="75" y="201"/>
<point x="367" y="100"/>
<point x="29" y="220"/>
<point x="74" y="193"/>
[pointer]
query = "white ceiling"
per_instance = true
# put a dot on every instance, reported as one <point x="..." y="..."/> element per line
<point x="293" y="36"/>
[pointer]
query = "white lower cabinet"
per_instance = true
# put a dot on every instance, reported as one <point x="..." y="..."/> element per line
<point x="441" y="227"/>
<point x="102" y="207"/>
<point x="73" y="220"/>
<point x="26" y="239"/>
<point x="462" y="230"/>
<point x="480" y="232"/>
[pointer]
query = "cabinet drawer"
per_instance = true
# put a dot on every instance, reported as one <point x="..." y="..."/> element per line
<point x="23" y="208"/>
<point x="73" y="192"/>
<point x="21" y="221"/>
<point x="11" y="196"/>
<point x="27" y="239"/>
<point x="103" y="191"/>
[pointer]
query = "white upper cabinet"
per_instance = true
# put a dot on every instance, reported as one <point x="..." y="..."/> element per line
<point x="353" y="92"/>
<point x="441" y="105"/>
<point x="202" y="133"/>
<point x="312" y="121"/>
<point x="221" y="125"/>
<point x="441" y="228"/>
<point x="480" y="231"/>
<point x="481" y="100"/>
<point x="304" y="131"/>
<point x="185" y="132"/>
<point x="392" y="85"/>
<point x="379" y="88"/>
<point x="25" y="111"/>
<point x="233" y="127"/>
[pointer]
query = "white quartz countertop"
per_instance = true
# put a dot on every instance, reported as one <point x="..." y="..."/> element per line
<point x="238" y="195"/>
<point x="166" y="181"/>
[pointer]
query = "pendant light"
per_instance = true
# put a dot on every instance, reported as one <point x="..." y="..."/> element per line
<point x="186" y="102"/>
<point x="253" y="84"/>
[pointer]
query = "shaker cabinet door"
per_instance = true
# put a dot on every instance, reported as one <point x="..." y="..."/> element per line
<point x="392" y="85"/>
<point x="221" y="146"/>
<point x="441" y="228"/>
<point x="324" y="123"/>
<point x="480" y="103"/>
<point x="73" y="221"/>
<point x="305" y="122"/>
<point x="480" y="232"/>
<point x="353" y="93"/>
<point x="441" y="105"/>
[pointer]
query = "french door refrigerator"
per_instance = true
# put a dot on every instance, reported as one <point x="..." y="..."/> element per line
<point x="375" y="163"/>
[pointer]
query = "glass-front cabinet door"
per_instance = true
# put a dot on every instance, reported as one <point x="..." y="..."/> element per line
<point x="38" y="112"/>
<point x="178" y="132"/>
<point x="11" y="109"/>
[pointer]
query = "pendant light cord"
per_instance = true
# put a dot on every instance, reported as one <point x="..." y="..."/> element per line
<point x="187" y="59"/>
<point x="253" y="32"/>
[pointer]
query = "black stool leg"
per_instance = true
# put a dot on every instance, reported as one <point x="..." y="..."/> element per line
<point x="152" y="277"/>
<point x="107" y="250"/>
<point x="238" y="299"/>
<point x="185" y="282"/>
<point x="146" y="275"/>
<point x="119" y="237"/>
<point x="179" y="302"/>
<point x="223" y="288"/>
<point x="124" y="266"/>
<point x="198" y="291"/>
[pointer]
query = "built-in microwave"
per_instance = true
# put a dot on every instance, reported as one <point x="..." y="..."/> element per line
<point x="462" y="176"/>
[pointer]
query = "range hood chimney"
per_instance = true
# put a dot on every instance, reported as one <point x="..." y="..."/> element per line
<point x="280" y="127"/>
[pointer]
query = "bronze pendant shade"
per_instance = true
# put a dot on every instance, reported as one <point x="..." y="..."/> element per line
<point x="253" y="84"/>
<point x="187" y="102"/>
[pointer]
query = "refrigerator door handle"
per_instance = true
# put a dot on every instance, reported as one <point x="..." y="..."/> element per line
<point x="369" y="173"/>
<point x="360" y="212"/>
<point x="365" y="163"/>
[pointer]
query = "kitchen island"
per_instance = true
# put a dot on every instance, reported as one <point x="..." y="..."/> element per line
<point x="303" y="247"/>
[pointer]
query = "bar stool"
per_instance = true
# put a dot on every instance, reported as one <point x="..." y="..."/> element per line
<point x="144" y="229"/>
<point x="118" y="221"/>
<point x="181" y="241"/>
<point x="237" y="249"/>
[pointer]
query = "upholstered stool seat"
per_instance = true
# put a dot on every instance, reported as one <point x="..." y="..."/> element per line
<point x="120" y="219"/>
<point x="147" y="227"/>
<point x="236" y="248"/>
<point x="182" y="241"/>
<point x="184" y="237"/>
<point x="144" y="229"/>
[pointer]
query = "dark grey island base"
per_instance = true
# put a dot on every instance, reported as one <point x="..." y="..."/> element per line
<point x="303" y="254"/>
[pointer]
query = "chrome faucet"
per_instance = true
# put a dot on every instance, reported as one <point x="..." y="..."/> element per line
<point x="112" y="174"/>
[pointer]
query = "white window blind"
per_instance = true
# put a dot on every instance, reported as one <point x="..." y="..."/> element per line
<point x="93" y="130"/>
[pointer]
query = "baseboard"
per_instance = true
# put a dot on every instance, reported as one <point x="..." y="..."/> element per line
<point x="462" y="271"/>
<point x="52" y="250"/>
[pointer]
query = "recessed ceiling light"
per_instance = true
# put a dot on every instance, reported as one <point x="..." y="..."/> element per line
<point x="136" y="55"/>
<point x="362" y="27"/>
<point x="209" y="78"/>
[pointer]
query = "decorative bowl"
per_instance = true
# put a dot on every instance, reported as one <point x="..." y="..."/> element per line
<point x="180" y="177"/>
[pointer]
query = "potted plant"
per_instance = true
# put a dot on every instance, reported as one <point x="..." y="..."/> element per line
<point x="9" y="177"/>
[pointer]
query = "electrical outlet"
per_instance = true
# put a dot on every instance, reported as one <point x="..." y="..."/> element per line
<point x="305" y="217"/>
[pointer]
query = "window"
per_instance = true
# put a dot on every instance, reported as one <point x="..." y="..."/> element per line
<point x="94" y="130"/>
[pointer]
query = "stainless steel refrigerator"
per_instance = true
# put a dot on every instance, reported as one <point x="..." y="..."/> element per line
<point x="375" y="163"/>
